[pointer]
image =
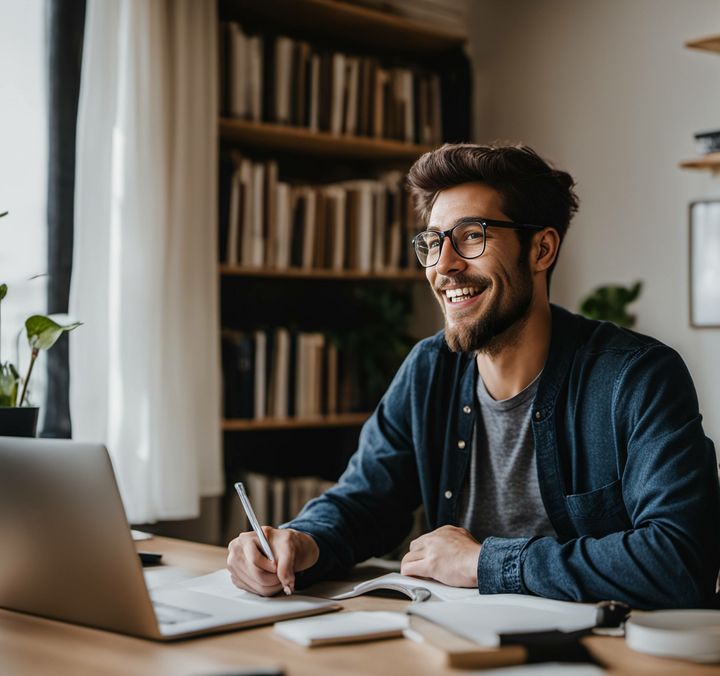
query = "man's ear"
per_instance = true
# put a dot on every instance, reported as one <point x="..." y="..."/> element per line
<point x="545" y="251"/>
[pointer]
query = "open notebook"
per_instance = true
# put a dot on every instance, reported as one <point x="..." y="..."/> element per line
<point x="415" y="588"/>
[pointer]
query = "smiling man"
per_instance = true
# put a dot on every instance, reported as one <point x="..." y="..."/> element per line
<point x="553" y="455"/>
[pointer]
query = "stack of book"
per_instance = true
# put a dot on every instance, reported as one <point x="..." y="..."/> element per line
<point x="282" y="374"/>
<point x="277" y="79"/>
<point x="275" y="499"/>
<point x="363" y="225"/>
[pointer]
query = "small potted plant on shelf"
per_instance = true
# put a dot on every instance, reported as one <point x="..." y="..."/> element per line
<point x="17" y="417"/>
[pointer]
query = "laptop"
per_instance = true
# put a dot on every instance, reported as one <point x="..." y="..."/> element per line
<point x="67" y="552"/>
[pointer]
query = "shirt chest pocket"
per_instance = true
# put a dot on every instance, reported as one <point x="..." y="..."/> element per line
<point x="599" y="512"/>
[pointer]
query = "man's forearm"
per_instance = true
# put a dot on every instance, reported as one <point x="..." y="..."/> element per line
<point x="645" y="568"/>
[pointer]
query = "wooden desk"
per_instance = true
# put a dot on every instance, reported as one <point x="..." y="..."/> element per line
<point x="31" y="645"/>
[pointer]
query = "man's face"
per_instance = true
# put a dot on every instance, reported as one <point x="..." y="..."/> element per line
<point x="499" y="284"/>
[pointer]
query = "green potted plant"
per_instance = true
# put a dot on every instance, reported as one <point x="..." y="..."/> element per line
<point x="609" y="303"/>
<point x="17" y="417"/>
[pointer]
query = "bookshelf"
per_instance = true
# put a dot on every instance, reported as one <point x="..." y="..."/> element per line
<point x="287" y="139"/>
<point x="327" y="421"/>
<point x="709" y="161"/>
<point x="321" y="295"/>
<point x="399" y="276"/>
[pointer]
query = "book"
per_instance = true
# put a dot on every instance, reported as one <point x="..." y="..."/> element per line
<point x="279" y="381"/>
<point x="271" y="229"/>
<point x="283" y="216"/>
<point x="225" y="181"/>
<point x="233" y="218"/>
<point x="309" y="217"/>
<point x="351" y="100"/>
<point x="284" y="48"/>
<point x="246" y="212"/>
<point x="489" y="620"/>
<point x="314" y="93"/>
<point x="254" y="96"/>
<point x="278" y="512"/>
<point x="343" y="628"/>
<point x="338" y="93"/>
<point x="237" y="60"/>
<point x="301" y="84"/>
<point x="257" y="224"/>
<point x="260" y="408"/>
<point x="238" y="374"/>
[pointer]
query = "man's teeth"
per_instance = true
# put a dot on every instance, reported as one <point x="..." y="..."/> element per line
<point x="458" y="295"/>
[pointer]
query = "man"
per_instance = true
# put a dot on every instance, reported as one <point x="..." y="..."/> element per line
<point x="553" y="455"/>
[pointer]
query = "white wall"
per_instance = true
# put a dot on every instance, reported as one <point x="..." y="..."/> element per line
<point x="23" y="177"/>
<point x="605" y="90"/>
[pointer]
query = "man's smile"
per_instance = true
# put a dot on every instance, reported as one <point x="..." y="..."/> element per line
<point x="461" y="297"/>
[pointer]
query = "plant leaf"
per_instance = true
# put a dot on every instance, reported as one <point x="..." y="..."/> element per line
<point x="3" y="291"/>
<point x="43" y="332"/>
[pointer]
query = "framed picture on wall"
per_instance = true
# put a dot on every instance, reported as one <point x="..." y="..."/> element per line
<point x="705" y="264"/>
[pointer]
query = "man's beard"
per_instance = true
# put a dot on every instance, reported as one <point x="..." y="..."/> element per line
<point x="499" y="324"/>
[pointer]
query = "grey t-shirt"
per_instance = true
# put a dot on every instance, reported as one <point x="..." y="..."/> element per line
<point x="501" y="496"/>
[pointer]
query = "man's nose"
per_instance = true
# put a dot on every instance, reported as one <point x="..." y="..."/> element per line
<point x="450" y="261"/>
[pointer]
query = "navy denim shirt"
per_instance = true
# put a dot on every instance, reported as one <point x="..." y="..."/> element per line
<point x="627" y="476"/>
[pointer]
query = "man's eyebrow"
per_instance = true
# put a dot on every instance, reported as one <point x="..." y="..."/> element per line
<point x="459" y="221"/>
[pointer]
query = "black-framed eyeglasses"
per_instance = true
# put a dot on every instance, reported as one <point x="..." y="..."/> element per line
<point x="467" y="236"/>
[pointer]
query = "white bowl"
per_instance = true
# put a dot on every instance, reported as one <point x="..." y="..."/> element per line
<point x="682" y="634"/>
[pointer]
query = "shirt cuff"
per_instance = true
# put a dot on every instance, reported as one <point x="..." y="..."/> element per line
<point x="499" y="565"/>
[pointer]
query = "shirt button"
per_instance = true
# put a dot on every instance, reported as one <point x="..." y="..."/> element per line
<point x="538" y="415"/>
<point x="448" y="494"/>
<point x="466" y="409"/>
<point x="461" y="444"/>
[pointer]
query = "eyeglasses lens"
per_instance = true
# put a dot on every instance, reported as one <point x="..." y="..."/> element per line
<point x="468" y="240"/>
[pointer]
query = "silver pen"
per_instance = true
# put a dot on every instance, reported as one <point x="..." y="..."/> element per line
<point x="256" y="526"/>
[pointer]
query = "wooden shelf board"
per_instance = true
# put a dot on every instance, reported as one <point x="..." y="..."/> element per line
<point x="348" y="23"/>
<point x="299" y="140"/>
<point x="707" y="44"/>
<point x="710" y="161"/>
<point x="340" y="420"/>
<point x="404" y="275"/>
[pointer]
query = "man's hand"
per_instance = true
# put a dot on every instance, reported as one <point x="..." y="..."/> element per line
<point x="448" y="554"/>
<point x="251" y="570"/>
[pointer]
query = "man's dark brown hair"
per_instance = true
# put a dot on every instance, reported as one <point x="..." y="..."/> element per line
<point x="531" y="191"/>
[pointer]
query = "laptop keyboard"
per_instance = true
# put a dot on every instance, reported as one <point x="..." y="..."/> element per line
<point x="167" y="614"/>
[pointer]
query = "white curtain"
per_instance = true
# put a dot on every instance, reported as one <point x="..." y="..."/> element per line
<point x="145" y="367"/>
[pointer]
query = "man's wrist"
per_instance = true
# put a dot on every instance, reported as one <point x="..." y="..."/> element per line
<point x="309" y="551"/>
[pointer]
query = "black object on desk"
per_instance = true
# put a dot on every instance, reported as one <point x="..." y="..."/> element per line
<point x="150" y="558"/>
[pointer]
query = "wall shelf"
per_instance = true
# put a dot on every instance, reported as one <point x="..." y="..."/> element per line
<point x="707" y="44"/>
<point x="299" y="140"/>
<point x="710" y="161"/>
<point x="347" y="23"/>
<point x="327" y="421"/>
<point x="401" y="276"/>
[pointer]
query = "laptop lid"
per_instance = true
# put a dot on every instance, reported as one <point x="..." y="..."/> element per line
<point x="67" y="551"/>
